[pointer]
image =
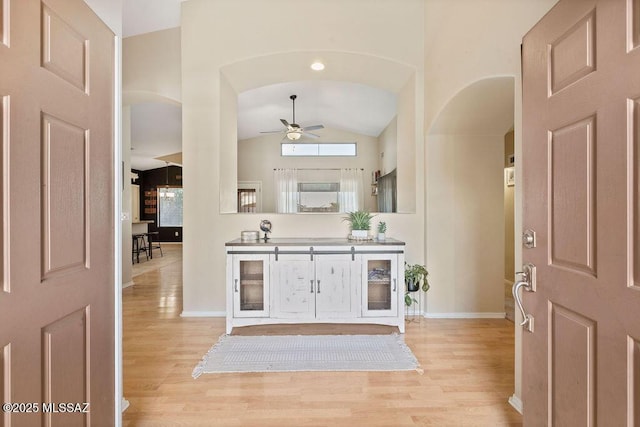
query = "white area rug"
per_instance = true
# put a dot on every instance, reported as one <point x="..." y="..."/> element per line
<point x="279" y="353"/>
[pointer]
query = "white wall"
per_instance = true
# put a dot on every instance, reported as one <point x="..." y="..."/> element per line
<point x="449" y="44"/>
<point x="467" y="41"/>
<point x="151" y="67"/>
<point x="214" y="37"/>
<point x="388" y="147"/>
<point x="151" y="73"/>
<point x="257" y="157"/>
<point x="110" y="11"/>
<point x="458" y="46"/>
<point x="466" y="224"/>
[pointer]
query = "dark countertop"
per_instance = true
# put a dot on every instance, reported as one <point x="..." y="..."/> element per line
<point x="315" y="241"/>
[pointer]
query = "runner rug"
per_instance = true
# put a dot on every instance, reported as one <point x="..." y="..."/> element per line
<point x="290" y="353"/>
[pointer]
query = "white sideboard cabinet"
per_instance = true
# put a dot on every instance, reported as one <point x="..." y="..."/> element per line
<point x="323" y="288"/>
<point x="314" y="281"/>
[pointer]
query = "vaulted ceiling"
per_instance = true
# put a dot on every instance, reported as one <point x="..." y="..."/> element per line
<point x="156" y="128"/>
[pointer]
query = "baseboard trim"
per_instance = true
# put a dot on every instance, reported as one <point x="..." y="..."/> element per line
<point x="516" y="403"/>
<point x="126" y="285"/>
<point x="464" y="315"/>
<point x="203" y="314"/>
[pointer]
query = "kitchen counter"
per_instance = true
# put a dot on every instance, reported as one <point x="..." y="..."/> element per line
<point x="140" y="227"/>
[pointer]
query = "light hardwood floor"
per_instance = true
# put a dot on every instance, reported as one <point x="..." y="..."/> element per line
<point x="468" y="373"/>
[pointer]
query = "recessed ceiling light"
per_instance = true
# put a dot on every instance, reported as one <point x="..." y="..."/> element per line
<point x="317" y="66"/>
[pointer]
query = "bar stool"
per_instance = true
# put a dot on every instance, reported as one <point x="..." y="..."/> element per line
<point x="154" y="242"/>
<point x="138" y="244"/>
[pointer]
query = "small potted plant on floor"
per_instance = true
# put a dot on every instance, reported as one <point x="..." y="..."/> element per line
<point x="415" y="277"/>
<point x="360" y="224"/>
<point x="382" y="229"/>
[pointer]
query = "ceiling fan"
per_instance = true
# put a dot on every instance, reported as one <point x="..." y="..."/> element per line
<point x="293" y="130"/>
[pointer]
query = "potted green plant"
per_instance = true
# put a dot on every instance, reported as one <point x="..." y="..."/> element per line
<point x="360" y="223"/>
<point x="415" y="277"/>
<point x="382" y="229"/>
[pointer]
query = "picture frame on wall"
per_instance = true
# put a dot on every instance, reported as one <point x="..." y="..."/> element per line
<point x="510" y="176"/>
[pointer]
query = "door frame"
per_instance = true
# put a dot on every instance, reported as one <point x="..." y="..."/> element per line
<point x="110" y="12"/>
<point x="118" y="191"/>
<point x="516" y="399"/>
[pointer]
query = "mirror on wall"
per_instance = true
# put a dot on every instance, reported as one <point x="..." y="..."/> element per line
<point x="344" y="158"/>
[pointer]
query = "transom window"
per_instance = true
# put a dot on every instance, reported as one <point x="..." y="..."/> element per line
<point x="348" y="149"/>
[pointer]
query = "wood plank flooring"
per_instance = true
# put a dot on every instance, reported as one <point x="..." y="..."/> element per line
<point x="468" y="374"/>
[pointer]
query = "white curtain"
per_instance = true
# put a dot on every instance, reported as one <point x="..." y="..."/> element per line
<point x="351" y="197"/>
<point x="286" y="185"/>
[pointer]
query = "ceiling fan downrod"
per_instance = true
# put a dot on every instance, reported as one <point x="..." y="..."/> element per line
<point x="293" y="99"/>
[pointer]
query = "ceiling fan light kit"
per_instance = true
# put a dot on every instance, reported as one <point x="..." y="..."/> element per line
<point x="294" y="135"/>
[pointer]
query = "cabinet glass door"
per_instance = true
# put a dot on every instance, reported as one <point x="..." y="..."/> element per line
<point x="251" y="286"/>
<point x="381" y="287"/>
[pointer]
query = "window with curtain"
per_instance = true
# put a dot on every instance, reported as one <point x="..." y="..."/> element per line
<point x="286" y="188"/>
<point x="351" y="196"/>
<point x="247" y="200"/>
<point x="318" y="196"/>
<point x="319" y="190"/>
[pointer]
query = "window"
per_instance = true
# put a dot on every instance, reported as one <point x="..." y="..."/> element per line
<point x="169" y="207"/>
<point x="249" y="196"/>
<point x="318" y="196"/>
<point x="318" y="150"/>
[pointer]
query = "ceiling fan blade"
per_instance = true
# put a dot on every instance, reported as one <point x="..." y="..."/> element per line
<point x="314" y="127"/>
<point x="286" y="123"/>
<point x="312" y="135"/>
<point x="272" y="131"/>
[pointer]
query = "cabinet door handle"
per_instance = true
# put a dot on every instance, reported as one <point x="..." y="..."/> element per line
<point x="236" y="287"/>
<point x="395" y="284"/>
<point x="318" y="281"/>
<point x="311" y="282"/>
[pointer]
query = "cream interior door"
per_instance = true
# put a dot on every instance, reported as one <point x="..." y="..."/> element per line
<point x="56" y="243"/>
<point x="581" y="140"/>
